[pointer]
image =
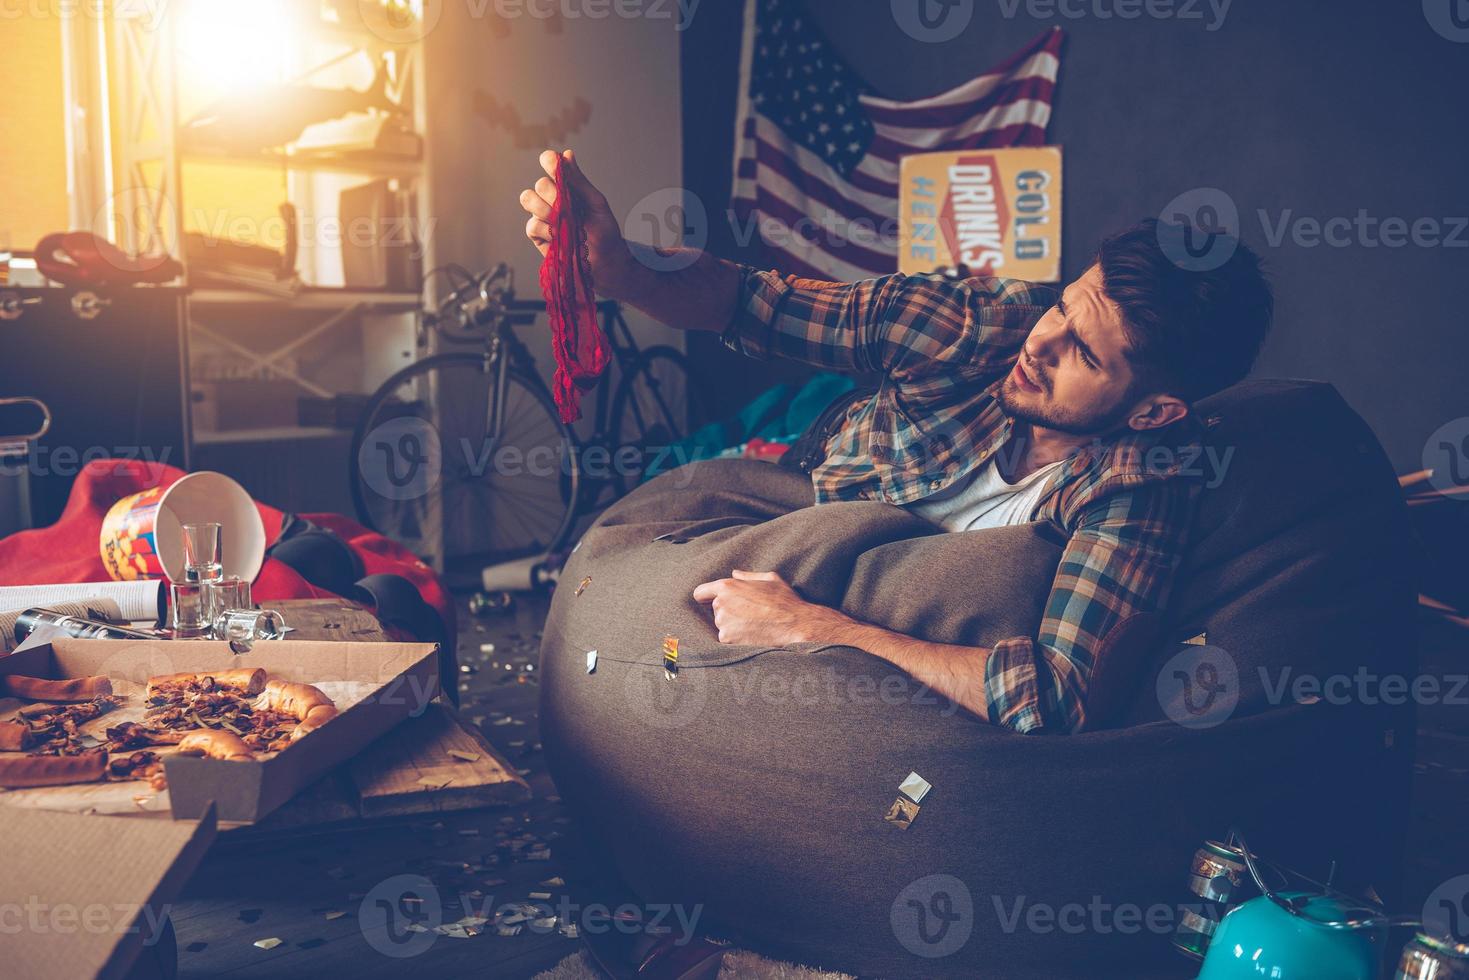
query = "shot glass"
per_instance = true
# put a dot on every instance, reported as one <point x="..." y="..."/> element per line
<point x="203" y="552"/>
<point x="242" y="627"/>
<point x="229" y="592"/>
<point x="188" y="610"/>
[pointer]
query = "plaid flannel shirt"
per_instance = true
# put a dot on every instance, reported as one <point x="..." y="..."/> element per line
<point x="943" y="348"/>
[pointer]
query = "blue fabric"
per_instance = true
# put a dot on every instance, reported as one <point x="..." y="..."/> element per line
<point x="778" y="414"/>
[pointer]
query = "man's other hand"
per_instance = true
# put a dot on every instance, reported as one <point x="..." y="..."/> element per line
<point x="761" y="609"/>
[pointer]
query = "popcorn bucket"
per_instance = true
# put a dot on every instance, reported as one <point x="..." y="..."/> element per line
<point x="142" y="535"/>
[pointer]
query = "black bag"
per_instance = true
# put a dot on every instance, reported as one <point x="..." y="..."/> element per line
<point x="809" y="451"/>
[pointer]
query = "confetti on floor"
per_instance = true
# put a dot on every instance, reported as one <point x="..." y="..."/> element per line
<point x="902" y="813"/>
<point x="915" y="787"/>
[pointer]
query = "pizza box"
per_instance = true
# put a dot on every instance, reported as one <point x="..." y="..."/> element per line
<point x="89" y="896"/>
<point x="375" y="686"/>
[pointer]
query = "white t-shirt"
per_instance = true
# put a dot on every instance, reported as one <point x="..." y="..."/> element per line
<point x="984" y="499"/>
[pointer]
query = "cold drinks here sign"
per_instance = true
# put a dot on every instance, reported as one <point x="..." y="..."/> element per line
<point x="998" y="212"/>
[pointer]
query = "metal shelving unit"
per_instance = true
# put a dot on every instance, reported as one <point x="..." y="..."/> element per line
<point x="375" y="330"/>
<point x="355" y="163"/>
<point x="311" y="298"/>
<point x="129" y="180"/>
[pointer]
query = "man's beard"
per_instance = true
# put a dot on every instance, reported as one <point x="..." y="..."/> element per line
<point x="1094" y="424"/>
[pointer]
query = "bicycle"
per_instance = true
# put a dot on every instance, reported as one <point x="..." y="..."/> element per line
<point x="462" y="456"/>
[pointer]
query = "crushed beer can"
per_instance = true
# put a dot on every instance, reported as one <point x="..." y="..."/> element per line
<point x="1429" y="957"/>
<point x="670" y="657"/>
<point x="1218" y="880"/>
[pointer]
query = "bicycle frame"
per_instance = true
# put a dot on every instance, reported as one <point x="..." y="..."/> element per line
<point x="484" y="312"/>
<point x="477" y="300"/>
<point x="477" y="304"/>
<point x="625" y="350"/>
<point x="504" y="352"/>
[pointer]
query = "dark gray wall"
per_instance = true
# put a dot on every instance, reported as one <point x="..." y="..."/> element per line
<point x="1296" y="108"/>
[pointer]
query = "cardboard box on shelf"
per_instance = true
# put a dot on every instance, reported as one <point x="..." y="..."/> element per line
<point x="244" y="403"/>
<point x="375" y="686"/>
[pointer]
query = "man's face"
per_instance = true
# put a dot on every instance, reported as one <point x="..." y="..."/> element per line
<point x="1073" y="374"/>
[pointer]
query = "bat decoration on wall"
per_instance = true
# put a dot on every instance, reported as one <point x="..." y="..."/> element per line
<point x="529" y="136"/>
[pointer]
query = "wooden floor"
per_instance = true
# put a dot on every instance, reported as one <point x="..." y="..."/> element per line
<point x="325" y="897"/>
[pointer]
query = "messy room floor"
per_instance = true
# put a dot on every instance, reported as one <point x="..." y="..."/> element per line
<point x="343" y="913"/>
<point x="328" y="917"/>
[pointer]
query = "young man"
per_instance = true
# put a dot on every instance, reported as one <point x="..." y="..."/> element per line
<point x="1002" y="403"/>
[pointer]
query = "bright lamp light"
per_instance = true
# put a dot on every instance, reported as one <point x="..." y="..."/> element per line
<point x="237" y="44"/>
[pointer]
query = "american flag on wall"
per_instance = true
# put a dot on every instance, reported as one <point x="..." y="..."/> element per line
<point x="816" y="155"/>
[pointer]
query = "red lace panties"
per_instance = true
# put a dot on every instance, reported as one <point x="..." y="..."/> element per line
<point x="580" y="347"/>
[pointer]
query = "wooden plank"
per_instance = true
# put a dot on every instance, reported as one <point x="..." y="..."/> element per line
<point x="328" y="619"/>
<point x="415" y="769"/>
<point x="332" y="799"/>
<point x="387" y="779"/>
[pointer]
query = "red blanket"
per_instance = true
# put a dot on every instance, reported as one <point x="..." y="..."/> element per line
<point x="67" y="551"/>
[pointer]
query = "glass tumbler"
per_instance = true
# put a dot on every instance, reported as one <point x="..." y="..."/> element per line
<point x="227" y="593"/>
<point x="203" y="552"/>
<point x="188" y="610"/>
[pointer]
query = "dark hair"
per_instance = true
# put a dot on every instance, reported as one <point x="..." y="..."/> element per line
<point x="1194" y="324"/>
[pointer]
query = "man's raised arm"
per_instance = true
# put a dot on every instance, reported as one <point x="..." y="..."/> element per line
<point x="902" y="326"/>
<point x="700" y="294"/>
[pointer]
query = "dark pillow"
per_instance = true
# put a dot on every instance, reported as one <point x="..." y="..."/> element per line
<point x="1300" y="559"/>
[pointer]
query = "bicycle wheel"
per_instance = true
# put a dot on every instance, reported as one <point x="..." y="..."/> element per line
<point x="428" y="473"/>
<point x="656" y="405"/>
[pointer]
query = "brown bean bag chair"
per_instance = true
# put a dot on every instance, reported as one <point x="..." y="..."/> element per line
<point x="755" y="784"/>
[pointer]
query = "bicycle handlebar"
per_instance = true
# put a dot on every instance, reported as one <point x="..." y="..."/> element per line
<point x="480" y="302"/>
<point x="487" y="300"/>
